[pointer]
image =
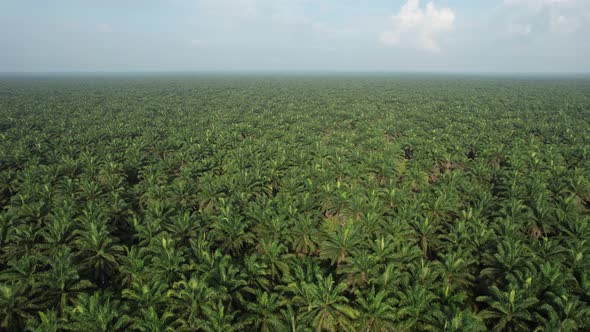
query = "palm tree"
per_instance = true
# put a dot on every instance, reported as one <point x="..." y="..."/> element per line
<point x="153" y="195"/>
<point x="275" y="256"/>
<point x="510" y="260"/>
<point x="231" y="232"/>
<point x="49" y="322"/>
<point x="200" y="249"/>
<point x="415" y="179"/>
<point x="225" y="279"/>
<point x="465" y="320"/>
<point x="455" y="271"/>
<point x="188" y="297"/>
<point x="166" y="260"/>
<point x="211" y="193"/>
<point x="304" y="270"/>
<point x="183" y="227"/>
<point x="565" y="314"/>
<point x="392" y="278"/>
<point x="291" y="320"/>
<point x="508" y="311"/>
<point x="62" y="280"/>
<point x="256" y="274"/>
<point x="111" y="177"/>
<point x="146" y="229"/>
<point x="95" y="312"/>
<point x="149" y="293"/>
<point x="152" y="321"/>
<point x="271" y="229"/>
<point x="358" y="268"/>
<point x="568" y="214"/>
<point x="21" y="237"/>
<point x="427" y="236"/>
<point x="339" y="244"/>
<point x="263" y="313"/>
<point x="58" y="232"/>
<point x="17" y="303"/>
<point x="89" y="189"/>
<point x="540" y="220"/>
<point x="575" y="228"/>
<point x="132" y="266"/>
<point x="6" y="223"/>
<point x="324" y="307"/>
<point x="554" y="281"/>
<point x="383" y="248"/>
<point x="472" y="235"/>
<point x="422" y="273"/>
<point x="304" y="235"/>
<point x="183" y="193"/>
<point x="376" y="311"/>
<point x="580" y="185"/>
<point x="24" y="269"/>
<point x="418" y="309"/>
<point x="578" y="255"/>
<point x="217" y="320"/>
<point x="437" y="209"/>
<point x="96" y="250"/>
<point x="548" y="249"/>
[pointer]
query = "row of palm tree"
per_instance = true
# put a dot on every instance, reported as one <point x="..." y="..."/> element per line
<point x="295" y="204"/>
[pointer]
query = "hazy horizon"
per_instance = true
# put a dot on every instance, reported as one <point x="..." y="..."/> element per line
<point x="288" y="73"/>
<point x="409" y="36"/>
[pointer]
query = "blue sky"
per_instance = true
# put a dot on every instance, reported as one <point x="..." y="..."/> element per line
<point x="334" y="35"/>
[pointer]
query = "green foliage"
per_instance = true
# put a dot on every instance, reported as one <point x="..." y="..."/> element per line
<point x="294" y="204"/>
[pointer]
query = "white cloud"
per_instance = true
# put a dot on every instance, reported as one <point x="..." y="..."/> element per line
<point x="280" y="11"/>
<point x="538" y="3"/>
<point x="419" y="27"/>
<point x="257" y="24"/>
<point x="542" y="18"/>
<point x="104" y="28"/>
<point x="518" y="29"/>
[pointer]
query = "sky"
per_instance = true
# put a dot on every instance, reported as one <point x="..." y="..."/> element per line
<point x="295" y="35"/>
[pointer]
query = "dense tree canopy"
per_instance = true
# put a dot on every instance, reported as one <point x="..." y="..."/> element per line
<point x="294" y="204"/>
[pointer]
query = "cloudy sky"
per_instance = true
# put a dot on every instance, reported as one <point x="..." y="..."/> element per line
<point x="333" y="35"/>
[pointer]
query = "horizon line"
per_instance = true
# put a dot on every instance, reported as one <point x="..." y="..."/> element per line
<point x="297" y="72"/>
